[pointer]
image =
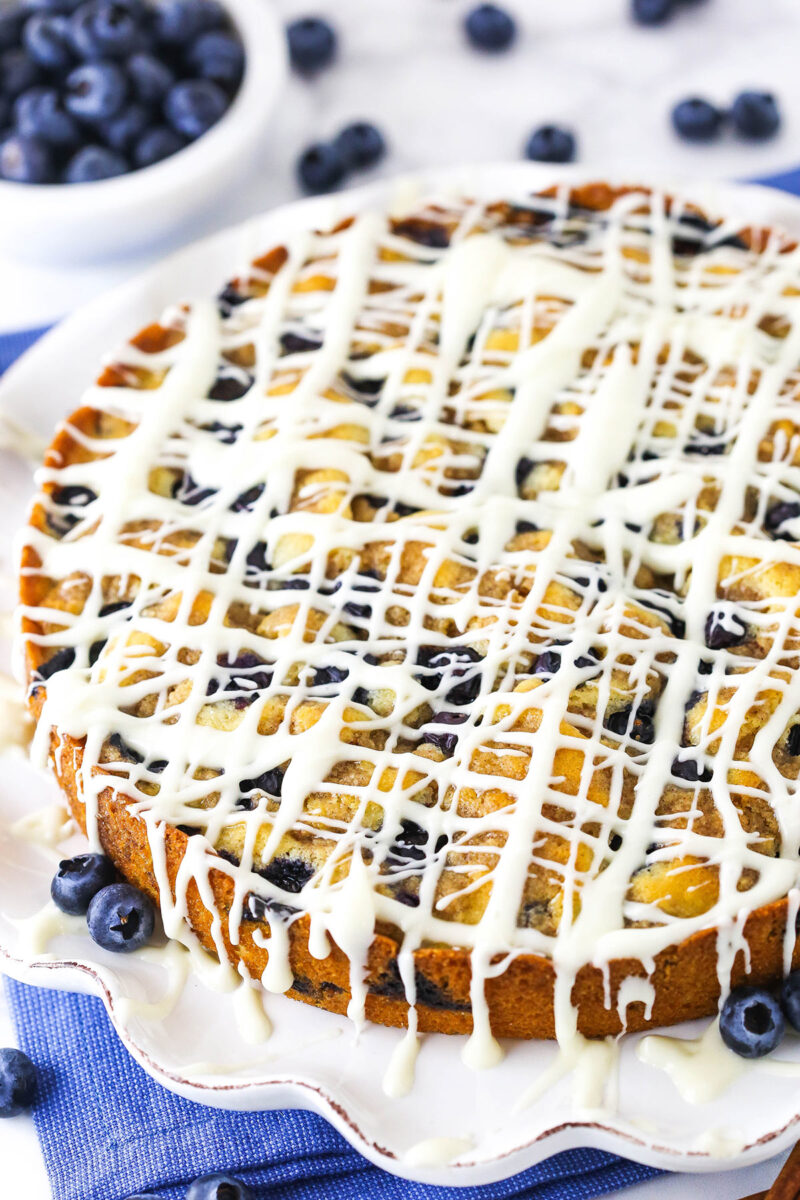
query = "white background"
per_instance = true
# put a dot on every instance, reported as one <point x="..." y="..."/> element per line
<point x="403" y="63"/>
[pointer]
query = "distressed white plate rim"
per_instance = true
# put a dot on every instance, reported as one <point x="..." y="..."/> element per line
<point x="313" y="1060"/>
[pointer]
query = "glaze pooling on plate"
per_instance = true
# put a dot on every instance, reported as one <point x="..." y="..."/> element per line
<point x="440" y="577"/>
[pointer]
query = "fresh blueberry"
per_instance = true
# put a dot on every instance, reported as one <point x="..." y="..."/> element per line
<point x="312" y="43"/>
<point x="652" y="12"/>
<point x="550" y="144"/>
<point x="217" y="56"/>
<point x="751" y="1022"/>
<point x="18" y="72"/>
<point x="120" y="918"/>
<point x="696" y="119"/>
<point x="755" y="115"/>
<point x="177" y="22"/>
<point x="51" y="6"/>
<point x="11" y="21"/>
<point x="79" y="879"/>
<point x="360" y="145"/>
<point x="17" y="1082"/>
<point x="82" y="31"/>
<point x="38" y="114"/>
<point x="25" y="160"/>
<point x="125" y="129"/>
<point x="95" y="91"/>
<point x="490" y="28"/>
<point x="218" y="1187"/>
<point x="150" y="78"/>
<point x="320" y="168"/>
<point x="93" y="163"/>
<point x="790" y="999"/>
<point x="116" y="30"/>
<point x="193" y="106"/>
<point x="156" y="144"/>
<point x="48" y="41"/>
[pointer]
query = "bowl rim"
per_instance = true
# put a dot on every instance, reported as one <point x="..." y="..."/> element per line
<point x="266" y="62"/>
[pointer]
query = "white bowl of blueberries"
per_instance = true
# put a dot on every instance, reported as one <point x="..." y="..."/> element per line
<point x="121" y="120"/>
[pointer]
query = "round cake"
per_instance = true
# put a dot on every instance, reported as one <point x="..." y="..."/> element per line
<point x="417" y="621"/>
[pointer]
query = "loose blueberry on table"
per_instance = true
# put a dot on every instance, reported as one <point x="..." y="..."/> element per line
<point x="322" y="166"/>
<point x="17" y="1082"/>
<point x="751" y="1022"/>
<point x="696" y="119"/>
<point x="218" y="1187"/>
<point x="120" y="918"/>
<point x="105" y="87"/>
<point x="755" y="115"/>
<point x="489" y="27"/>
<point x="312" y="44"/>
<point x="550" y="144"/>
<point x="79" y="879"/>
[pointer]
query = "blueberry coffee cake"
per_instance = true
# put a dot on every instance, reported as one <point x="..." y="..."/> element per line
<point x="417" y="621"/>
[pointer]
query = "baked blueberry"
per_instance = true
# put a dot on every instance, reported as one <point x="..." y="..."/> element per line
<point x="156" y="144"/>
<point x="790" y="999"/>
<point x="751" y="1022"/>
<point x="17" y="1082"/>
<point x="38" y="113"/>
<point x="723" y="629"/>
<point x="78" y="880"/>
<point x="92" y="163"/>
<point x="778" y="515"/>
<point x="217" y="56"/>
<point x="691" y="770"/>
<point x="59" y="661"/>
<point x="551" y="144"/>
<point x="124" y="130"/>
<point x="360" y="145"/>
<point x="18" y="72"/>
<point x="755" y="115"/>
<point x="149" y="77"/>
<point x="320" y="168"/>
<point x="120" y="918"/>
<point x="95" y="91"/>
<point x="312" y="43"/>
<point x="270" y="782"/>
<point x="637" y="724"/>
<point x="288" y="873"/>
<point x="232" y="382"/>
<point x="193" y="106"/>
<point x="25" y="160"/>
<point x="48" y="41"/>
<point x="218" y="1187"/>
<point x="696" y="119"/>
<point x="652" y="12"/>
<point x="489" y="27"/>
<point x="792" y="744"/>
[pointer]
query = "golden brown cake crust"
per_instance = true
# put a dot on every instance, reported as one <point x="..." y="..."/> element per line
<point x="520" y="999"/>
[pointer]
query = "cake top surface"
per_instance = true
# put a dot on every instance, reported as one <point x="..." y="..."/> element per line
<point x="440" y="576"/>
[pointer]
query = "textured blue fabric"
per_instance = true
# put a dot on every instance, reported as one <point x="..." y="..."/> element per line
<point x="107" y="1130"/>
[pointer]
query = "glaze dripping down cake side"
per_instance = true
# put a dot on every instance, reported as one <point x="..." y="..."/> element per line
<point x="418" y="620"/>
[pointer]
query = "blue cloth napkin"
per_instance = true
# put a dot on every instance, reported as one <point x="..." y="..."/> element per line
<point x="107" y="1130"/>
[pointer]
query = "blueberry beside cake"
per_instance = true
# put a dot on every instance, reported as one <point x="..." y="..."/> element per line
<point x="417" y="621"/>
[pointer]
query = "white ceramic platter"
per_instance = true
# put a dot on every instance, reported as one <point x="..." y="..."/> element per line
<point x="314" y="1059"/>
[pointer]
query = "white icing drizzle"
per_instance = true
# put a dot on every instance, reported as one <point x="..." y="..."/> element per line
<point x="658" y="382"/>
<point x="437" y="1151"/>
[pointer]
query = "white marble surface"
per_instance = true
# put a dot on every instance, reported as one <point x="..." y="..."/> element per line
<point x="404" y="64"/>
